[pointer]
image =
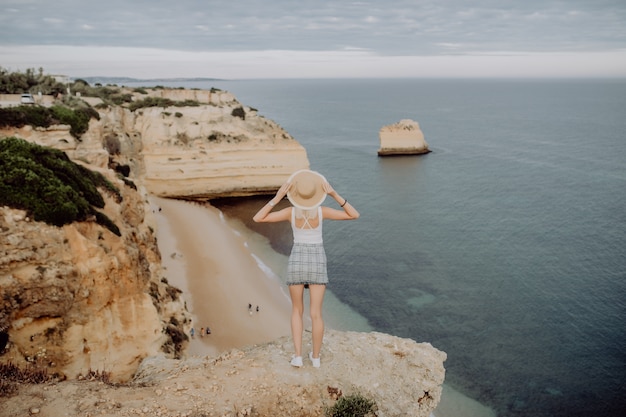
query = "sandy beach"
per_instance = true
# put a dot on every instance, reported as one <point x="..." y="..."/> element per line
<point x="219" y="277"/>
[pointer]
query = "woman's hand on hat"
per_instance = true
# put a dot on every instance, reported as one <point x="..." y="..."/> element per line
<point x="283" y="190"/>
<point x="328" y="189"/>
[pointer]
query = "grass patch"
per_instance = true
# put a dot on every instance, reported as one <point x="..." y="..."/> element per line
<point x="355" y="405"/>
<point x="11" y="376"/>
<point x="161" y="102"/>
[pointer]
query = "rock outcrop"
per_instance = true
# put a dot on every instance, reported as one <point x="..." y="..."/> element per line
<point x="403" y="377"/>
<point x="402" y="138"/>
<point x="78" y="298"/>
<point x="213" y="147"/>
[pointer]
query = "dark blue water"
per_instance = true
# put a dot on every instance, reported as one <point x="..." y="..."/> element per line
<point x="505" y="247"/>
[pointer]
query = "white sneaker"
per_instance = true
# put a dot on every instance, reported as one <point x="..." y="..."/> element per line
<point x="296" y="361"/>
<point x="316" y="361"/>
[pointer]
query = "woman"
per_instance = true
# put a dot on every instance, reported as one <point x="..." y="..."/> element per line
<point x="306" y="190"/>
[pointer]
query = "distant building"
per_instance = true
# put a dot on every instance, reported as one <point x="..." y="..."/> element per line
<point x="64" y="79"/>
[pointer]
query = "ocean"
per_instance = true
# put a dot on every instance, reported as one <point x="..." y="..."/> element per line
<point x="505" y="246"/>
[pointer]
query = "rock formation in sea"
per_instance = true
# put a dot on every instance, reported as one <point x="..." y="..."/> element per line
<point x="402" y="138"/>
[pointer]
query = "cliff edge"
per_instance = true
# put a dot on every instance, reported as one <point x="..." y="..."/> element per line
<point x="402" y="377"/>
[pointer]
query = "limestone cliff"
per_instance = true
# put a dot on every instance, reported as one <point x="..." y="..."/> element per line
<point x="403" y="377"/>
<point x="213" y="147"/>
<point x="79" y="298"/>
<point x="402" y="138"/>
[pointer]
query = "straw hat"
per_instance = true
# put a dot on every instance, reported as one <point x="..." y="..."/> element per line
<point x="306" y="190"/>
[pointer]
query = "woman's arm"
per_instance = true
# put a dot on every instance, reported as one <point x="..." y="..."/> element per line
<point x="265" y="214"/>
<point x="348" y="212"/>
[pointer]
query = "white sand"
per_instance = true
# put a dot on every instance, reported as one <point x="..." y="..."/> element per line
<point x="219" y="278"/>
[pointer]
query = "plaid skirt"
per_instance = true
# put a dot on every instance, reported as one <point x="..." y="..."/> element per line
<point x="307" y="264"/>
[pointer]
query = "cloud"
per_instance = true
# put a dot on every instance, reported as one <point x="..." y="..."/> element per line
<point x="158" y="63"/>
<point x="394" y="28"/>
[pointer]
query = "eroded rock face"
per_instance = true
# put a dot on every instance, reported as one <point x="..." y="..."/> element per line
<point x="219" y="148"/>
<point x="403" y="377"/>
<point x="402" y="138"/>
<point x="208" y="153"/>
<point x="79" y="298"/>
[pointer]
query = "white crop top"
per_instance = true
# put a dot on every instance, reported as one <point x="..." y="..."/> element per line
<point x="307" y="234"/>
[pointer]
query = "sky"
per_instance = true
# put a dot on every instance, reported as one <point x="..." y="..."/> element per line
<point x="247" y="39"/>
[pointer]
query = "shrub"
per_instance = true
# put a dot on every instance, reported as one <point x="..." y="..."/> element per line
<point x="78" y="119"/>
<point x="161" y="102"/>
<point x="355" y="405"/>
<point x="50" y="187"/>
<point x="120" y="99"/>
<point x="239" y="112"/>
<point x="25" y="115"/>
<point x="151" y="102"/>
<point x="187" y="103"/>
<point x="30" y="80"/>
<point x="11" y="376"/>
<point x="43" y="117"/>
<point x="105" y="92"/>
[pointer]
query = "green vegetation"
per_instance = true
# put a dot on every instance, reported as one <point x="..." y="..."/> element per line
<point x="109" y="94"/>
<point x="35" y="82"/>
<point x="28" y="82"/>
<point x="49" y="186"/>
<point x="160" y="102"/>
<point x="78" y="118"/>
<point x="355" y="405"/>
<point x="25" y="115"/>
<point x="239" y="112"/>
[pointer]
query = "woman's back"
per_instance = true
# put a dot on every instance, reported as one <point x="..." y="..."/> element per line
<point x="307" y="227"/>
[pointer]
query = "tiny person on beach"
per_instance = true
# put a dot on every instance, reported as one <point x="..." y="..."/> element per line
<point x="306" y="191"/>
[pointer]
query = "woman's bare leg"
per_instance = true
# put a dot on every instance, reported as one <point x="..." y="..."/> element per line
<point x="317" y="299"/>
<point x="297" y="308"/>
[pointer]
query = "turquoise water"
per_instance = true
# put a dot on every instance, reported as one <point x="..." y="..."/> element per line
<point x="505" y="247"/>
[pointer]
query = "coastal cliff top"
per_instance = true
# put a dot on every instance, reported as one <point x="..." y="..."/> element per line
<point x="401" y="376"/>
